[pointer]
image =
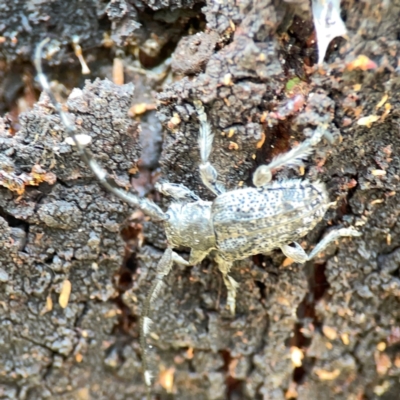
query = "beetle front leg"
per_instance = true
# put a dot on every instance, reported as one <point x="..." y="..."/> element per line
<point x="299" y="255"/>
<point x="208" y="173"/>
<point x="331" y="237"/>
<point x="176" y="191"/>
<point x="263" y="174"/>
<point x="163" y="268"/>
<point x="230" y="283"/>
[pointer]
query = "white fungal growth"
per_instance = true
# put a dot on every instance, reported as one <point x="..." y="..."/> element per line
<point x="328" y="24"/>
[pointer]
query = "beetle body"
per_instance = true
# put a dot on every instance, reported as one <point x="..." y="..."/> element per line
<point x="191" y="225"/>
<point x="249" y="221"/>
<point x="257" y="220"/>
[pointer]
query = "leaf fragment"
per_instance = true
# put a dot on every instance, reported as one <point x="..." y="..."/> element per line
<point x="362" y="63"/>
<point x="325" y="375"/>
<point x="296" y="356"/>
<point x="368" y="121"/>
<point x="65" y="293"/>
<point x="16" y="183"/>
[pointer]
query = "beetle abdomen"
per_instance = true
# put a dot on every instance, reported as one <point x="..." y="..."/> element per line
<point x="257" y="220"/>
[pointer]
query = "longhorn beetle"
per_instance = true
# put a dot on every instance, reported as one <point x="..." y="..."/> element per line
<point x="235" y="225"/>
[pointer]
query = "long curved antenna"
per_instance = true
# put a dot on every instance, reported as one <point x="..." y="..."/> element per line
<point x="108" y="183"/>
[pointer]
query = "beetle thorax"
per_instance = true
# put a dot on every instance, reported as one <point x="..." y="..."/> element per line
<point x="190" y="225"/>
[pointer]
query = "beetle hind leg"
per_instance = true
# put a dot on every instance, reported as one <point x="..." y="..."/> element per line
<point x="230" y="283"/>
<point x="299" y="255"/>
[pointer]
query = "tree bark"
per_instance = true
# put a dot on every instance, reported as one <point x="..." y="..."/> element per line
<point x="328" y="329"/>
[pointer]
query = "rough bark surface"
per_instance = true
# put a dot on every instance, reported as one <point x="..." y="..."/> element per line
<point x="328" y="329"/>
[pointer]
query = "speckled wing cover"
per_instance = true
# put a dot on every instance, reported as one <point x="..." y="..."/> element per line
<point x="252" y="221"/>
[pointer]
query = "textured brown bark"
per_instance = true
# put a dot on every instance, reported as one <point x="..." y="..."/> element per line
<point x="252" y="65"/>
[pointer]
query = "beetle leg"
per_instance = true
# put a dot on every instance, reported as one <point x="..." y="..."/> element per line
<point x="208" y="173"/>
<point x="230" y="283"/>
<point x="297" y="254"/>
<point x="196" y="256"/>
<point x="300" y="256"/>
<point x="332" y="236"/>
<point x="176" y="191"/>
<point x="263" y="174"/>
<point x="148" y="207"/>
<point x="163" y="268"/>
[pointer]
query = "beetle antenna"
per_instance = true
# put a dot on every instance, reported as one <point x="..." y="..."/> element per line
<point x="108" y="183"/>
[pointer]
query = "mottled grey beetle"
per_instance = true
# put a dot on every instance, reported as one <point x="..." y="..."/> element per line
<point x="236" y="224"/>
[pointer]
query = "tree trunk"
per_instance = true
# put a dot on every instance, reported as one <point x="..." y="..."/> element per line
<point x="76" y="264"/>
